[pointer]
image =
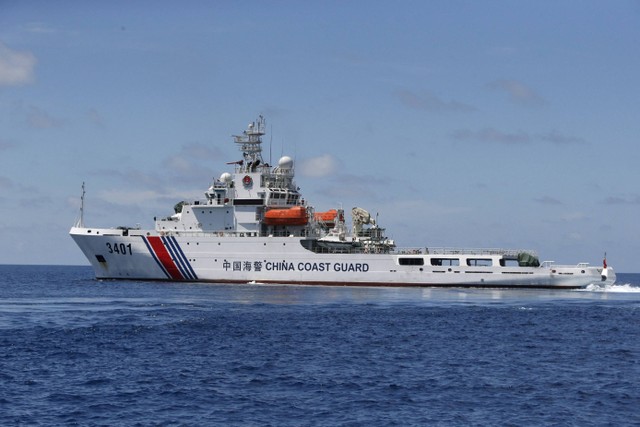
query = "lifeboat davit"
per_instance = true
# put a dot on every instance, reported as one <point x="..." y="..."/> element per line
<point x="296" y="215"/>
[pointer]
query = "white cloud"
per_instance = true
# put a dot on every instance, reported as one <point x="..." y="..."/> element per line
<point x="5" y="145"/>
<point x="40" y="119"/>
<point x="161" y="199"/>
<point x="575" y="236"/>
<point x="349" y="187"/>
<point x="317" y="167"/>
<point x="40" y="28"/>
<point x="557" y="138"/>
<point x="419" y="209"/>
<point x="123" y="197"/>
<point x="627" y="200"/>
<point x="573" y="216"/>
<point x="132" y="178"/>
<point x="192" y="163"/>
<point x="16" y="68"/>
<point x="518" y="92"/>
<point x="548" y="200"/>
<point x="179" y="164"/>
<point x="491" y="135"/>
<point x="430" y="102"/>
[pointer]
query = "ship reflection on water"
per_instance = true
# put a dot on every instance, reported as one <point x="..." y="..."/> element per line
<point x="257" y="293"/>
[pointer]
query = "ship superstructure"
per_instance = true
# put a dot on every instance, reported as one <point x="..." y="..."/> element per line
<point x="254" y="225"/>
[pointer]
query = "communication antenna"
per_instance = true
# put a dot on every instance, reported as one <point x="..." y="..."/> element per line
<point x="80" y="222"/>
<point x="270" y="144"/>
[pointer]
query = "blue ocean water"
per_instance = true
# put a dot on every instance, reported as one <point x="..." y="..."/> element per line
<point x="78" y="351"/>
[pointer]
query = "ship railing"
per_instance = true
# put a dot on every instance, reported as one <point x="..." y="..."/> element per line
<point x="410" y="251"/>
<point x="464" y="251"/>
<point x="228" y="233"/>
<point x="210" y="233"/>
<point x="552" y="264"/>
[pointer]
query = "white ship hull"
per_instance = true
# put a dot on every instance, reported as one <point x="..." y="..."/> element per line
<point x="254" y="225"/>
<point x="147" y="255"/>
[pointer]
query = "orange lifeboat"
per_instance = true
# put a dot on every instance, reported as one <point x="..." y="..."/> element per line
<point x="296" y="215"/>
<point x="328" y="218"/>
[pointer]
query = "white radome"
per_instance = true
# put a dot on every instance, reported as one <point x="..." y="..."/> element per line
<point x="285" y="162"/>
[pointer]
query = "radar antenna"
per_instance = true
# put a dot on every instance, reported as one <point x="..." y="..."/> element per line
<point x="251" y="143"/>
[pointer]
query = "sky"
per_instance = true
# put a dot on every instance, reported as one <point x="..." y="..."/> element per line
<point x="489" y="124"/>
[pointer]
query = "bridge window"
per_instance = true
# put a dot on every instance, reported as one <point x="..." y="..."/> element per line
<point x="445" y="261"/>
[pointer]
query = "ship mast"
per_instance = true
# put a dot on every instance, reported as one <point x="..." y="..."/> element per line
<point x="251" y="145"/>
<point x="80" y="221"/>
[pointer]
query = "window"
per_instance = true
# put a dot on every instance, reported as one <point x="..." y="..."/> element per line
<point x="445" y="261"/>
<point x="479" y="262"/>
<point x="411" y="261"/>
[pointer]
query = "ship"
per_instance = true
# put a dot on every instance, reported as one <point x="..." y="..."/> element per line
<point x="253" y="225"/>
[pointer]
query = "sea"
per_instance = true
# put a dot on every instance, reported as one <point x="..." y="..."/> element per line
<point x="76" y="351"/>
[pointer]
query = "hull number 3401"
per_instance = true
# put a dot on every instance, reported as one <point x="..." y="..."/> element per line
<point x="119" y="248"/>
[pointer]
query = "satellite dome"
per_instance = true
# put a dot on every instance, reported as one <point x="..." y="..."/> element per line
<point x="285" y="162"/>
<point x="226" y="177"/>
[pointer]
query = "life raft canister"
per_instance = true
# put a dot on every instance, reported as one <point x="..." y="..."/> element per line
<point x="247" y="180"/>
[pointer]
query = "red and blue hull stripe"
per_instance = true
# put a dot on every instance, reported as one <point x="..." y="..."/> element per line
<point x="167" y="253"/>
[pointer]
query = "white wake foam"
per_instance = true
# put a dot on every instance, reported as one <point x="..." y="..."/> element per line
<point x="625" y="288"/>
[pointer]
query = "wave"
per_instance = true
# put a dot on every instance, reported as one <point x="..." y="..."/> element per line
<point x="622" y="288"/>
